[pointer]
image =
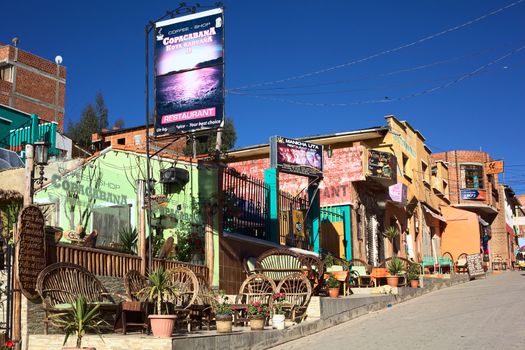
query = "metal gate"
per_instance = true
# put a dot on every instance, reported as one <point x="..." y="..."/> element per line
<point x="6" y="288"/>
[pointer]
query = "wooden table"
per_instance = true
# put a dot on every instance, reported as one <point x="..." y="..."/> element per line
<point x="132" y="314"/>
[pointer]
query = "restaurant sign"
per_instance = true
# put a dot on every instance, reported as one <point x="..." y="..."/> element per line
<point x="494" y="167"/>
<point x="474" y="195"/>
<point x="381" y="164"/>
<point x="296" y="157"/>
<point x="31" y="249"/>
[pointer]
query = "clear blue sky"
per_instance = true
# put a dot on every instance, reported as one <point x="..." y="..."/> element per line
<point x="102" y="43"/>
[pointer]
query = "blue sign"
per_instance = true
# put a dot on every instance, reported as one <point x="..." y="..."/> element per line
<point x="473" y="194"/>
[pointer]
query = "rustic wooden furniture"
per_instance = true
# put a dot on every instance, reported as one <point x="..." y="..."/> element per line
<point x="461" y="263"/>
<point x="298" y="291"/>
<point x="134" y="281"/>
<point x="278" y="262"/>
<point x="316" y="271"/>
<point x="248" y="265"/>
<point x="200" y="312"/>
<point x="258" y="287"/>
<point x="187" y="284"/>
<point x="133" y="314"/>
<point x="430" y="262"/>
<point x="60" y="284"/>
<point x="360" y="273"/>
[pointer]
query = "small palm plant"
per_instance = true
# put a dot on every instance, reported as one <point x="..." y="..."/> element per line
<point x="395" y="267"/>
<point x="128" y="239"/>
<point x="391" y="233"/>
<point x="82" y="318"/>
<point x="160" y="290"/>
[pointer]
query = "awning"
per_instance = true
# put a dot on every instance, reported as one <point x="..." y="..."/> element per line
<point x="482" y="222"/>
<point x="434" y="215"/>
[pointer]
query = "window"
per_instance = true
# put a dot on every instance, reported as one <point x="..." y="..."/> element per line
<point x="424" y="169"/>
<point x="121" y="141"/>
<point x="108" y="221"/>
<point x="406" y="167"/>
<point x="471" y="176"/>
<point x="137" y="139"/>
<point x="6" y="73"/>
<point x="445" y="188"/>
<point x="434" y="170"/>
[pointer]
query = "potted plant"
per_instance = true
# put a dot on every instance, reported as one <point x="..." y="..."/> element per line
<point x="333" y="286"/>
<point x="80" y="319"/>
<point x="395" y="267"/>
<point x="257" y="313"/>
<point x="223" y="312"/>
<point x="413" y="275"/>
<point x="278" y="317"/>
<point x="9" y="344"/>
<point x="160" y="291"/>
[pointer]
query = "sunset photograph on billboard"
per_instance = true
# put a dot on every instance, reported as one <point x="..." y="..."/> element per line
<point x="189" y="74"/>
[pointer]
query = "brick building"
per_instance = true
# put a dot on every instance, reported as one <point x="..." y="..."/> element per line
<point x="473" y="190"/>
<point x="32" y="84"/>
<point x="136" y="137"/>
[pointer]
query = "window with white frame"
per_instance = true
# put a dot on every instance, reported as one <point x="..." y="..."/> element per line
<point x="471" y="176"/>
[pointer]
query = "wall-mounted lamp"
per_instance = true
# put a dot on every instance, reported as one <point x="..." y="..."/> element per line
<point x="41" y="149"/>
<point x="329" y="151"/>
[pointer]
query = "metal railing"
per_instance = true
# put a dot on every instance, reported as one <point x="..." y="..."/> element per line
<point x="245" y="204"/>
<point x="293" y="227"/>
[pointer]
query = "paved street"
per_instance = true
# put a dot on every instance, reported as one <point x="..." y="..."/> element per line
<point x="482" y="314"/>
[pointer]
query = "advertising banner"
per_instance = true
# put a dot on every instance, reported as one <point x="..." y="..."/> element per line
<point x="356" y="170"/>
<point x="189" y="73"/>
<point x="381" y="164"/>
<point x="296" y="157"/>
<point x="398" y="193"/>
<point x="475" y="195"/>
<point x="494" y="167"/>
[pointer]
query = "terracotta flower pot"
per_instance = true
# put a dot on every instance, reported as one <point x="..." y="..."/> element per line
<point x="392" y="281"/>
<point x="414" y="283"/>
<point x="224" y="323"/>
<point x="257" y="323"/>
<point x="162" y="325"/>
<point x="333" y="292"/>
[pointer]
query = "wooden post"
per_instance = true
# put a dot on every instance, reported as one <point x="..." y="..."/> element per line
<point x="208" y="239"/>
<point x="142" y="228"/>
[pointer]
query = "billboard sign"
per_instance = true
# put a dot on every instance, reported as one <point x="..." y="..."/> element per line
<point x="475" y="195"/>
<point x="189" y="73"/>
<point x="296" y="157"/>
<point x="381" y="165"/>
<point x="494" y="167"/>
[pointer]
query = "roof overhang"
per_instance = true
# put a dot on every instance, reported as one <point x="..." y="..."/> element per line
<point x="487" y="212"/>
<point x="330" y="139"/>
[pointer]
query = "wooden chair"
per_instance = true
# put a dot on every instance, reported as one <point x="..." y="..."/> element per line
<point x="60" y="284"/>
<point x="248" y="265"/>
<point x="298" y="291"/>
<point x="360" y="273"/>
<point x="461" y="263"/>
<point x="200" y="312"/>
<point x="430" y="262"/>
<point x="316" y="271"/>
<point x="134" y="281"/>
<point x="278" y="263"/>
<point x="187" y="284"/>
<point x="258" y="287"/>
<point x="446" y="261"/>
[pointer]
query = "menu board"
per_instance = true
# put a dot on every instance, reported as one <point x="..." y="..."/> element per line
<point x="381" y="164"/>
<point x="475" y="267"/>
<point x="31" y="249"/>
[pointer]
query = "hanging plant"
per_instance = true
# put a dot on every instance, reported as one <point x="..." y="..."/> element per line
<point x="391" y="233"/>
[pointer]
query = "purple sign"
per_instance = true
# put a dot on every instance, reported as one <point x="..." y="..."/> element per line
<point x="398" y="193"/>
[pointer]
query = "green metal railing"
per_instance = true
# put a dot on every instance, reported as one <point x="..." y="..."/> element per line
<point x="32" y="132"/>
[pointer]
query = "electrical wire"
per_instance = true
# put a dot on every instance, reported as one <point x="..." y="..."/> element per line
<point x="389" y="99"/>
<point x="384" y="52"/>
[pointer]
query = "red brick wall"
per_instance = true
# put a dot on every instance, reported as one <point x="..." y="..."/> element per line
<point x="499" y="241"/>
<point x="336" y="187"/>
<point x="454" y="159"/>
<point x="34" y="85"/>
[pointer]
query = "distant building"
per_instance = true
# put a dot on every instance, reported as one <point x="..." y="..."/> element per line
<point x="32" y="84"/>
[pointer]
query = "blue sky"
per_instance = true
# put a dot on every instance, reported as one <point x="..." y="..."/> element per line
<point x="102" y="43"/>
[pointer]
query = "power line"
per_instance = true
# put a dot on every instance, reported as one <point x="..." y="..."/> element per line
<point x="388" y="99"/>
<point x="347" y="64"/>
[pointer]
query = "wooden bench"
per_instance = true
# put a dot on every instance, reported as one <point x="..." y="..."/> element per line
<point x="60" y="284"/>
<point x="278" y="263"/>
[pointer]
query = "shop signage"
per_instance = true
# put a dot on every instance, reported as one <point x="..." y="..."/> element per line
<point x="296" y="157"/>
<point x="31" y="249"/>
<point x="76" y="189"/>
<point x="189" y="73"/>
<point x="398" y="193"/>
<point x="494" y="167"/>
<point x="475" y="268"/>
<point x="381" y="164"/>
<point x="475" y="195"/>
